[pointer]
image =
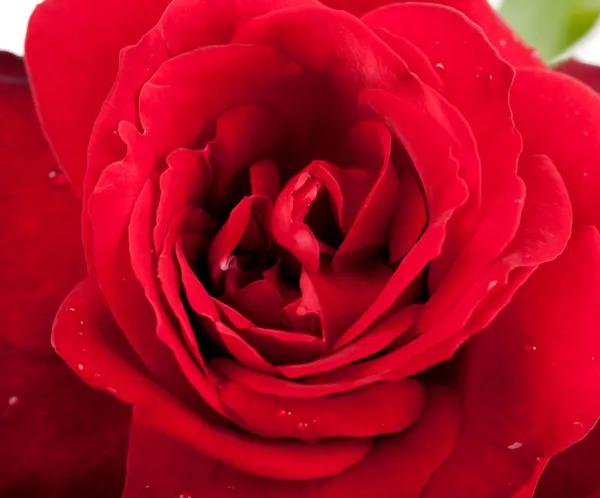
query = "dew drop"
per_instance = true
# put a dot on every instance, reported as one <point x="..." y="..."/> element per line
<point x="302" y="425"/>
<point x="579" y="425"/>
<point x="586" y="133"/>
<point x="57" y="178"/>
<point x="185" y="495"/>
<point x="231" y="486"/>
<point x="80" y="367"/>
<point x="529" y="347"/>
<point x="440" y="66"/>
<point x="515" y="446"/>
<point x="283" y="413"/>
<point x="71" y="309"/>
<point x="225" y="264"/>
<point x="502" y="42"/>
<point x="13" y="400"/>
<point x="492" y="284"/>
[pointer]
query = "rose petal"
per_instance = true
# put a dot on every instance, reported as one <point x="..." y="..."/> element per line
<point x="573" y="472"/>
<point x="59" y="437"/>
<point x="338" y="298"/>
<point x="40" y="223"/>
<point x="360" y="413"/>
<point x="474" y="78"/>
<point x="113" y="197"/>
<point x="399" y="464"/>
<point x="261" y="303"/>
<point x="244" y="134"/>
<point x="444" y="190"/>
<point x="586" y="73"/>
<point x="508" y="43"/>
<point x="70" y="89"/>
<point x="100" y="357"/>
<point x="560" y="117"/>
<point x="531" y="379"/>
<point x="370" y="142"/>
<point x="185" y="182"/>
<point x="279" y="347"/>
<point x="378" y="338"/>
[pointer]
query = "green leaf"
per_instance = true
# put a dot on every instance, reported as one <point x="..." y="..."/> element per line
<point x="551" y="26"/>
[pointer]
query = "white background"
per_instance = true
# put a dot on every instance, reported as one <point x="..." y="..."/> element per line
<point x="15" y="13"/>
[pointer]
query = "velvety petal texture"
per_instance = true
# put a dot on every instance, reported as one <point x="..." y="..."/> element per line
<point x="42" y="257"/>
<point x="335" y="248"/>
<point x="59" y="437"/>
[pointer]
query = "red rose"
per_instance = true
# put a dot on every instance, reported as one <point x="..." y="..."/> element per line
<point x="338" y="249"/>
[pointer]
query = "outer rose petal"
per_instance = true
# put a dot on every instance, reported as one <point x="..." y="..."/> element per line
<point x="398" y="466"/>
<point x="587" y="73"/>
<point x="509" y="44"/>
<point x="72" y="53"/>
<point x="560" y="117"/>
<point x="574" y="472"/>
<point x="532" y="383"/>
<point x="60" y="438"/>
<point x="42" y="256"/>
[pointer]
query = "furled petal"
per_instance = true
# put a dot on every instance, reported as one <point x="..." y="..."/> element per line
<point x="474" y="77"/>
<point x="439" y="175"/>
<point x="41" y="256"/>
<point x="169" y="127"/>
<point x="96" y="350"/>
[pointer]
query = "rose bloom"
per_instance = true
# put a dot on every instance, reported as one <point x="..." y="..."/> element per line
<point x="345" y="248"/>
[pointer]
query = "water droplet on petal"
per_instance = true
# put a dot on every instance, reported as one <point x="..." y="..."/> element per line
<point x="80" y="367"/>
<point x="515" y="446"/>
<point x="492" y="284"/>
<point x="57" y="178"/>
<point x="185" y="495"/>
<point x="529" y="347"/>
<point x="440" y="67"/>
<point x="13" y="400"/>
<point x="502" y="42"/>
<point x="302" y="425"/>
<point x="579" y="425"/>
